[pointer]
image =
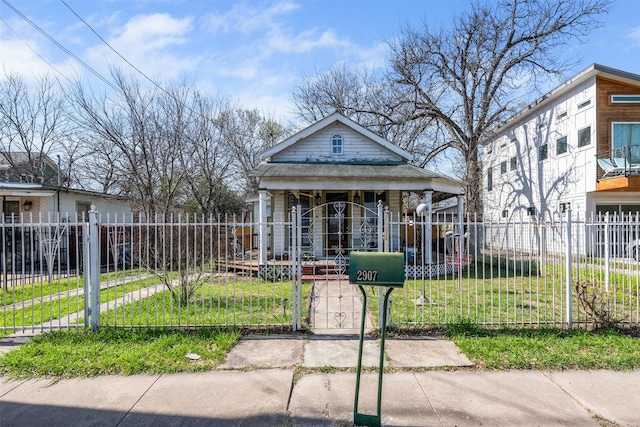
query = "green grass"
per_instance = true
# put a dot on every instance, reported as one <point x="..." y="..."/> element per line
<point x="61" y="305"/>
<point x="251" y="303"/>
<point x="486" y="297"/>
<point x="65" y="354"/>
<point x="546" y="349"/>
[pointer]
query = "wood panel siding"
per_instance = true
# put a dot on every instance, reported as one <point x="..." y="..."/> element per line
<point x="317" y="147"/>
<point x="609" y="113"/>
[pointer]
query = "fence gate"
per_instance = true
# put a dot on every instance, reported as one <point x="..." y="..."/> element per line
<point x="325" y="235"/>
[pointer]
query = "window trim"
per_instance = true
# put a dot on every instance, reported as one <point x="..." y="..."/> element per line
<point x="578" y="135"/>
<point x="566" y="145"/>
<point x="625" y="99"/>
<point x="613" y="148"/>
<point x="337" y="148"/>
<point x="584" y="104"/>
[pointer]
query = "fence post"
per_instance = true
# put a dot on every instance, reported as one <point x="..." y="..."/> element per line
<point x="295" y="262"/>
<point x="86" y="256"/>
<point x="569" y="276"/>
<point x="94" y="267"/>
<point x="383" y="225"/>
<point x="607" y="252"/>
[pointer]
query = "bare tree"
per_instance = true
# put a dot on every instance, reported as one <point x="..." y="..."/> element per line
<point x="247" y="134"/>
<point x="137" y="136"/>
<point x="368" y="99"/>
<point x="34" y="124"/>
<point x="471" y="77"/>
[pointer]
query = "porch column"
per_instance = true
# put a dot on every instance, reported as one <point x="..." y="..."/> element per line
<point x="262" y="227"/>
<point x="428" y="237"/>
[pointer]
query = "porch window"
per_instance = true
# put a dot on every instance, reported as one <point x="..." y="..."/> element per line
<point x="305" y="220"/>
<point x="336" y="144"/>
<point x="626" y="141"/>
<point x="11" y="210"/>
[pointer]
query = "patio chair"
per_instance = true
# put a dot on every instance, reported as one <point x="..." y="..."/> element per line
<point x="623" y="162"/>
<point x="609" y="168"/>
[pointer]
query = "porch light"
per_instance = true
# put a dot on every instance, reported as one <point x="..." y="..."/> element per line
<point x="356" y="198"/>
<point x="317" y="199"/>
<point x="27" y="205"/>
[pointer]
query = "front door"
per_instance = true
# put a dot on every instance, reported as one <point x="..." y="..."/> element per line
<point x="337" y="223"/>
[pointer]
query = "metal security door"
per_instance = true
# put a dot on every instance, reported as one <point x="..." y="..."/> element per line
<point x="329" y="238"/>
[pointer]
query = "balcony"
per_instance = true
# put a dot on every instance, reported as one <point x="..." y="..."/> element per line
<point x="617" y="174"/>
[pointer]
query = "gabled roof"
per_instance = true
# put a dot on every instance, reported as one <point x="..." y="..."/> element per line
<point x="330" y="119"/>
<point x="592" y="71"/>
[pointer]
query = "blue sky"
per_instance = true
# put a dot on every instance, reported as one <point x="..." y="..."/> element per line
<point x="251" y="51"/>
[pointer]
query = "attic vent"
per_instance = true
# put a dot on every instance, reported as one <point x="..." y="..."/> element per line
<point x="336" y="144"/>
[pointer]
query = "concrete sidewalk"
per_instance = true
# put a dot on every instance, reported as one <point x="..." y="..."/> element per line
<point x="275" y="381"/>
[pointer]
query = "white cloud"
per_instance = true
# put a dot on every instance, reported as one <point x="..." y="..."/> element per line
<point x="148" y="42"/>
<point x="247" y="18"/>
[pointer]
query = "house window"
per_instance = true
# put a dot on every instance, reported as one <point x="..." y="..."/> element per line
<point x="505" y="213"/>
<point x="564" y="207"/>
<point x="584" y="136"/>
<point x="11" y="210"/>
<point x="542" y="152"/>
<point x="561" y="145"/>
<point x="336" y="144"/>
<point x="305" y="203"/>
<point x="513" y="163"/>
<point x="620" y="99"/>
<point x="562" y="115"/>
<point x="489" y="179"/>
<point x="503" y="167"/>
<point x="626" y="141"/>
<point x="531" y="210"/>
<point x="584" y="104"/>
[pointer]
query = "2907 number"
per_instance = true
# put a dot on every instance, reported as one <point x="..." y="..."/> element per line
<point x="367" y="275"/>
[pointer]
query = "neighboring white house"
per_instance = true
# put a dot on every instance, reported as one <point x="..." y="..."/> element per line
<point x="577" y="148"/>
<point x="338" y="172"/>
<point x="35" y="202"/>
<point x="555" y="153"/>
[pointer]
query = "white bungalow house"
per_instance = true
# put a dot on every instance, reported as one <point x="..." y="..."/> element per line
<point x="577" y="147"/>
<point x="338" y="173"/>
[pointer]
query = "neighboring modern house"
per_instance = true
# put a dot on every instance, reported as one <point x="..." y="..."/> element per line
<point x="338" y="173"/>
<point x="576" y="147"/>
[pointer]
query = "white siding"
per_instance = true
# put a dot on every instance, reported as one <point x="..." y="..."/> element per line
<point x="561" y="178"/>
<point x="317" y="147"/>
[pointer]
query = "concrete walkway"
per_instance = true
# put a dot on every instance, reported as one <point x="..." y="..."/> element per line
<point x="268" y="381"/>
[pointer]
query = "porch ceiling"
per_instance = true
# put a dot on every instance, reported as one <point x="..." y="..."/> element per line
<point x="339" y="176"/>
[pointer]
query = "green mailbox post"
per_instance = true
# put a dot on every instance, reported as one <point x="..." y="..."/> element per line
<point x="381" y="269"/>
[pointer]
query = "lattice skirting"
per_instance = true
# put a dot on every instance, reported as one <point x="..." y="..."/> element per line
<point x="285" y="272"/>
<point x="431" y="270"/>
<point x="275" y="272"/>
